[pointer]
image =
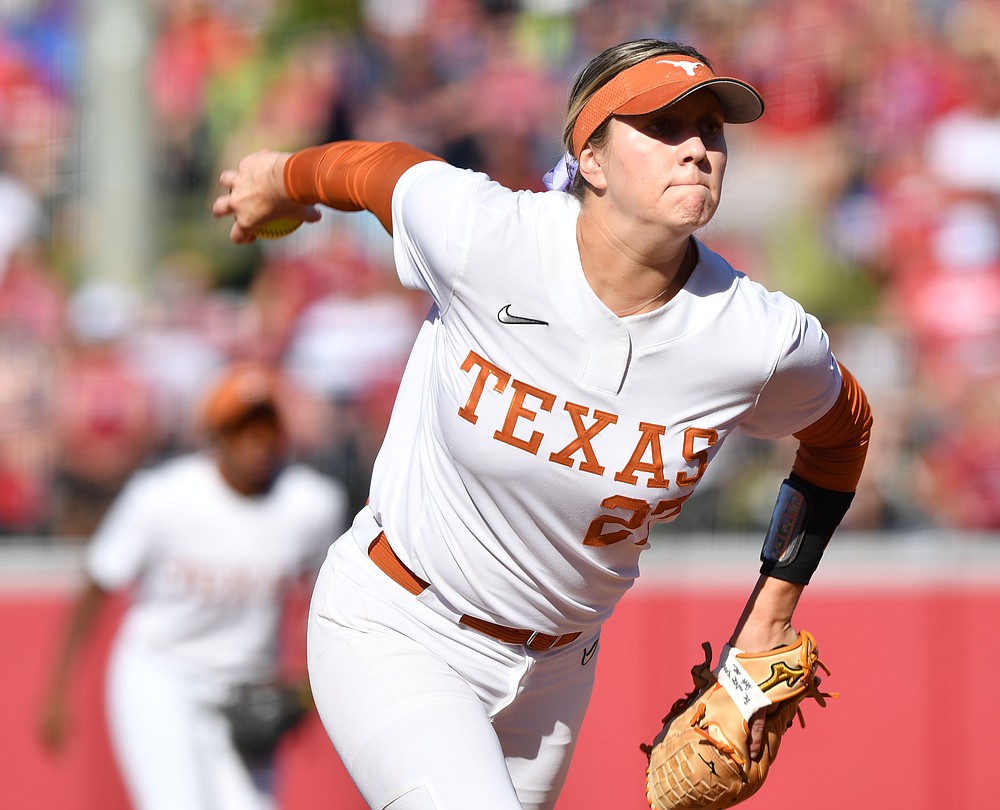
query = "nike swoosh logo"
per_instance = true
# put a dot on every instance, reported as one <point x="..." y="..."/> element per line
<point x="588" y="652"/>
<point x="504" y="316"/>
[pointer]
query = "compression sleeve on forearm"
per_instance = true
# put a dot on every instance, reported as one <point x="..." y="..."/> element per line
<point x="832" y="449"/>
<point x="351" y="175"/>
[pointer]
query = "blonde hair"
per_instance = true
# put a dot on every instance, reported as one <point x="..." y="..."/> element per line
<point x="602" y="69"/>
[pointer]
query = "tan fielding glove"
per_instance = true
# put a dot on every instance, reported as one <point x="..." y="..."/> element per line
<point x="700" y="759"/>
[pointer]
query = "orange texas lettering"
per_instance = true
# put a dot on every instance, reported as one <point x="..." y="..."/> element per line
<point x="527" y="401"/>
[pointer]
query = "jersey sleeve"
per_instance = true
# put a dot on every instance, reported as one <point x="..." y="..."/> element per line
<point x="433" y="216"/>
<point x="119" y="549"/>
<point x="804" y="384"/>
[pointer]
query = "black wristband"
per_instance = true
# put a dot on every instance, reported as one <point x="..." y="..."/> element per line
<point x="804" y="519"/>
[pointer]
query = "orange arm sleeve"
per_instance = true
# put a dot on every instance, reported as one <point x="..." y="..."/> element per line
<point x="351" y="175"/>
<point x="832" y="449"/>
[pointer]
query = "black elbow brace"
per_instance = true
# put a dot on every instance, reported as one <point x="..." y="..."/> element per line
<point x="804" y="519"/>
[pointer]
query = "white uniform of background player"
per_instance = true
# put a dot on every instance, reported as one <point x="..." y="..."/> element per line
<point x="210" y="568"/>
<point x="536" y="437"/>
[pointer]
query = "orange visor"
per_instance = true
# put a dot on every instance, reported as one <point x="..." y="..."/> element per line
<point x="658" y="82"/>
<point x="242" y="389"/>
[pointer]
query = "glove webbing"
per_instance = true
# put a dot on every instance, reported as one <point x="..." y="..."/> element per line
<point x="702" y="676"/>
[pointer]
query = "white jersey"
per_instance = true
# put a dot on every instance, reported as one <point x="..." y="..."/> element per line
<point x="537" y="436"/>
<point x="210" y="566"/>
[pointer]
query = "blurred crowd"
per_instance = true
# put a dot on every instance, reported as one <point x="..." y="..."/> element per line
<point x="870" y="191"/>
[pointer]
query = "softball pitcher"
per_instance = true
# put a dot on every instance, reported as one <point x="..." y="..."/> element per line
<point x="211" y="542"/>
<point x="585" y="359"/>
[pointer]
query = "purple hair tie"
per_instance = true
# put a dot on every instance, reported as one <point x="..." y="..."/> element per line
<point x="560" y="177"/>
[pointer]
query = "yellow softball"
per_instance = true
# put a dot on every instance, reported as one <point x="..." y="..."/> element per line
<point x="276" y="228"/>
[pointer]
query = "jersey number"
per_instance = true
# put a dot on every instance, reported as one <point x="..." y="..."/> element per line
<point x="634" y="523"/>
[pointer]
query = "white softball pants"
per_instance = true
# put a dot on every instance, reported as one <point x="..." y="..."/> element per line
<point x="172" y="745"/>
<point x="427" y="714"/>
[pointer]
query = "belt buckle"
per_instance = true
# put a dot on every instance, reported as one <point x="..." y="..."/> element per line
<point x="534" y="636"/>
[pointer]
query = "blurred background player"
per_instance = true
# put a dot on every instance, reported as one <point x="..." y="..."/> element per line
<point x="213" y="543"/>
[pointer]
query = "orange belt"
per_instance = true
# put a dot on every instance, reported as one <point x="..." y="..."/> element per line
<point x="385" y="558"/>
